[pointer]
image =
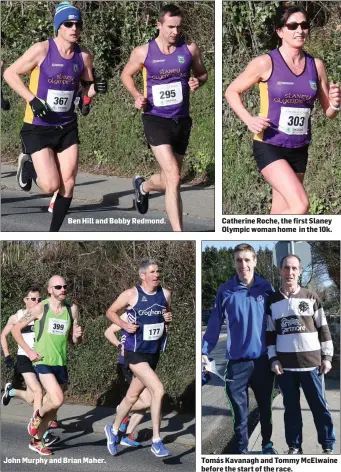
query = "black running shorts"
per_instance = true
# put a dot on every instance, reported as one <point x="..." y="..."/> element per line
<point x="265" y="154"/>
<point x="34" y="138"/>
<point x="131" y="357"/>
<point x="176" y="132"/>
<point x="24" y="365"/>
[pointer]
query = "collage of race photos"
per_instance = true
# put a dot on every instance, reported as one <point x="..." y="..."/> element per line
<point x="170" y="235"/>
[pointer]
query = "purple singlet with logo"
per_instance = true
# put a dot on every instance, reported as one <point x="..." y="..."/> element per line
<point x="148" y="314"/>
<point x="166" y="79"/>
<point x="287" y="100"/>
<point x="56" y="81"/>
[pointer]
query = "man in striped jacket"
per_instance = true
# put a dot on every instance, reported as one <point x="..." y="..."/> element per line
<point x="300" y="351"/>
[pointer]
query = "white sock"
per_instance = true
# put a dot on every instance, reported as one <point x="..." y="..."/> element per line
<point x="114" y="430"/>
<point x="141" y="189"/>
<point x="156" y="440"/>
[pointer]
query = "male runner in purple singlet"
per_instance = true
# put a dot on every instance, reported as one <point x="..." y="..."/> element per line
<point x="49" y="133"/>
<point x="166" y="63"/>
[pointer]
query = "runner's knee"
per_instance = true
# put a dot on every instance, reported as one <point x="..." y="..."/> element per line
<point x="57" y="399"/>
<point x="301" y="207"/>
<point x="158" y="391"/>
<point x="173" y="177"/>
<point x="50" y="185"/>
<point x="132" y="397"/>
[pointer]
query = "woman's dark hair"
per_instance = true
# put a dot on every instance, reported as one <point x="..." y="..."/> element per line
<point x="284" y="12"/>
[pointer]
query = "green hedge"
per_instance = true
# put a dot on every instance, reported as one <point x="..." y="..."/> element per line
<point x="112" y="140"/>
<point x="248" y="31"/>
<point x="97" y="273"/>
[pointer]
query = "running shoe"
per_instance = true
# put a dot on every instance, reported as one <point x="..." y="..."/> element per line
<point x="269" y="449"/>
<point x="112" y="440"/>
<point x="129" y="440"/>
<point x="327" y="451"/>
<point x="159" y="449"/>
<point x="39" y="447"/>
<point x="54" y="423"/>
<point x="5" y="397"/>
<point x="294" y="450"/>
<point x="124" y="424"/>
<point x="50" y="210"/>
<point x="34" y="423"/>
<point x="23" y="178"/>
<point x="50" y="439"/>
<point x="141" y="200"/>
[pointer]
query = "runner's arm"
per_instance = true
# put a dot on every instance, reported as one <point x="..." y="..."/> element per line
<point x="12" y="320"/>
<point x="114" y="328"/>
<point x="77" y="332"/>
<point x="88" y="75"/>
<point x="135" y="64"/>
<point x="28" y="316"/>
<point x="26" y="63"/>
<point x="168" y="316"/>
<point x="327" y="95"/>
<point x="258" y="69"/>
<point x="125" y="299"/>
<point x="198" y="67"/>
<point x="214" y="325"/>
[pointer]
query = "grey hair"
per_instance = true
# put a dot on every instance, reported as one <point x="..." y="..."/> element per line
<point x="145" y="264"/>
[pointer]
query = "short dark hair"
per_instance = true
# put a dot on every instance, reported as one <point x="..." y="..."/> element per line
<point x="284" y="12"/>
<point x="286" y="257"/>
<point x="34" y="288"/>
<point x="244" y="247"/>
<point x="171" y="10"/>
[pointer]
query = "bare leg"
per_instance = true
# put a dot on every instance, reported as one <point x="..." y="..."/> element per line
<point x="169" y="182"/>
<point x="152" y="382"/>
<point x="289" y="188"/>
<point x="44" y="162"/>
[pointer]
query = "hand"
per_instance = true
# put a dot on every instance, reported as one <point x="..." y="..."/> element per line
<point x="39" y="107"/>
<point x="140" y="102"/>
<point x="100" y="85"/>
<point x="335" y="95"/>
<point x="77" y="331"/>
<point x="325" y="367"/>
<point x="204" y="361"/>
<point x="8" y="362"/>
<point x="194" y="84"/>
<point x="34" y="356"/>
<point x="131" y="327"/>
<point x="168" y="317"/>
<point x="276" y="367"/>
<point x="257" y="124"/>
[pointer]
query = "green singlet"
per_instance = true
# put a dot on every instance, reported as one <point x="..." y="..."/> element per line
<point x="51" y="335"/>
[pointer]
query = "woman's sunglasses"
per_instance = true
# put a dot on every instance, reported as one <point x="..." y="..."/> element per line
<point x="33" y="299"/>
<point x="293" y="26"/>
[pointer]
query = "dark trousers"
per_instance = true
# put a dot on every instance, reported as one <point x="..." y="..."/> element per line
<point x="256" y="374"/>
<point x="313" y="387"/>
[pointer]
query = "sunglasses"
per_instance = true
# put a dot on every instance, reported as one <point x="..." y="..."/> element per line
<point x="59" y="287"/>
<point x="69" y="24"/>
<point x="33" y="299"/>
<point x="293" y="26"/>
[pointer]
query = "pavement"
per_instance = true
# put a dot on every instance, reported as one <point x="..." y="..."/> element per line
<point x="217" y="424"/>
<point x="175" y="427"/>
<point x="310" y="444"/>
<point x="198" y="199"/>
